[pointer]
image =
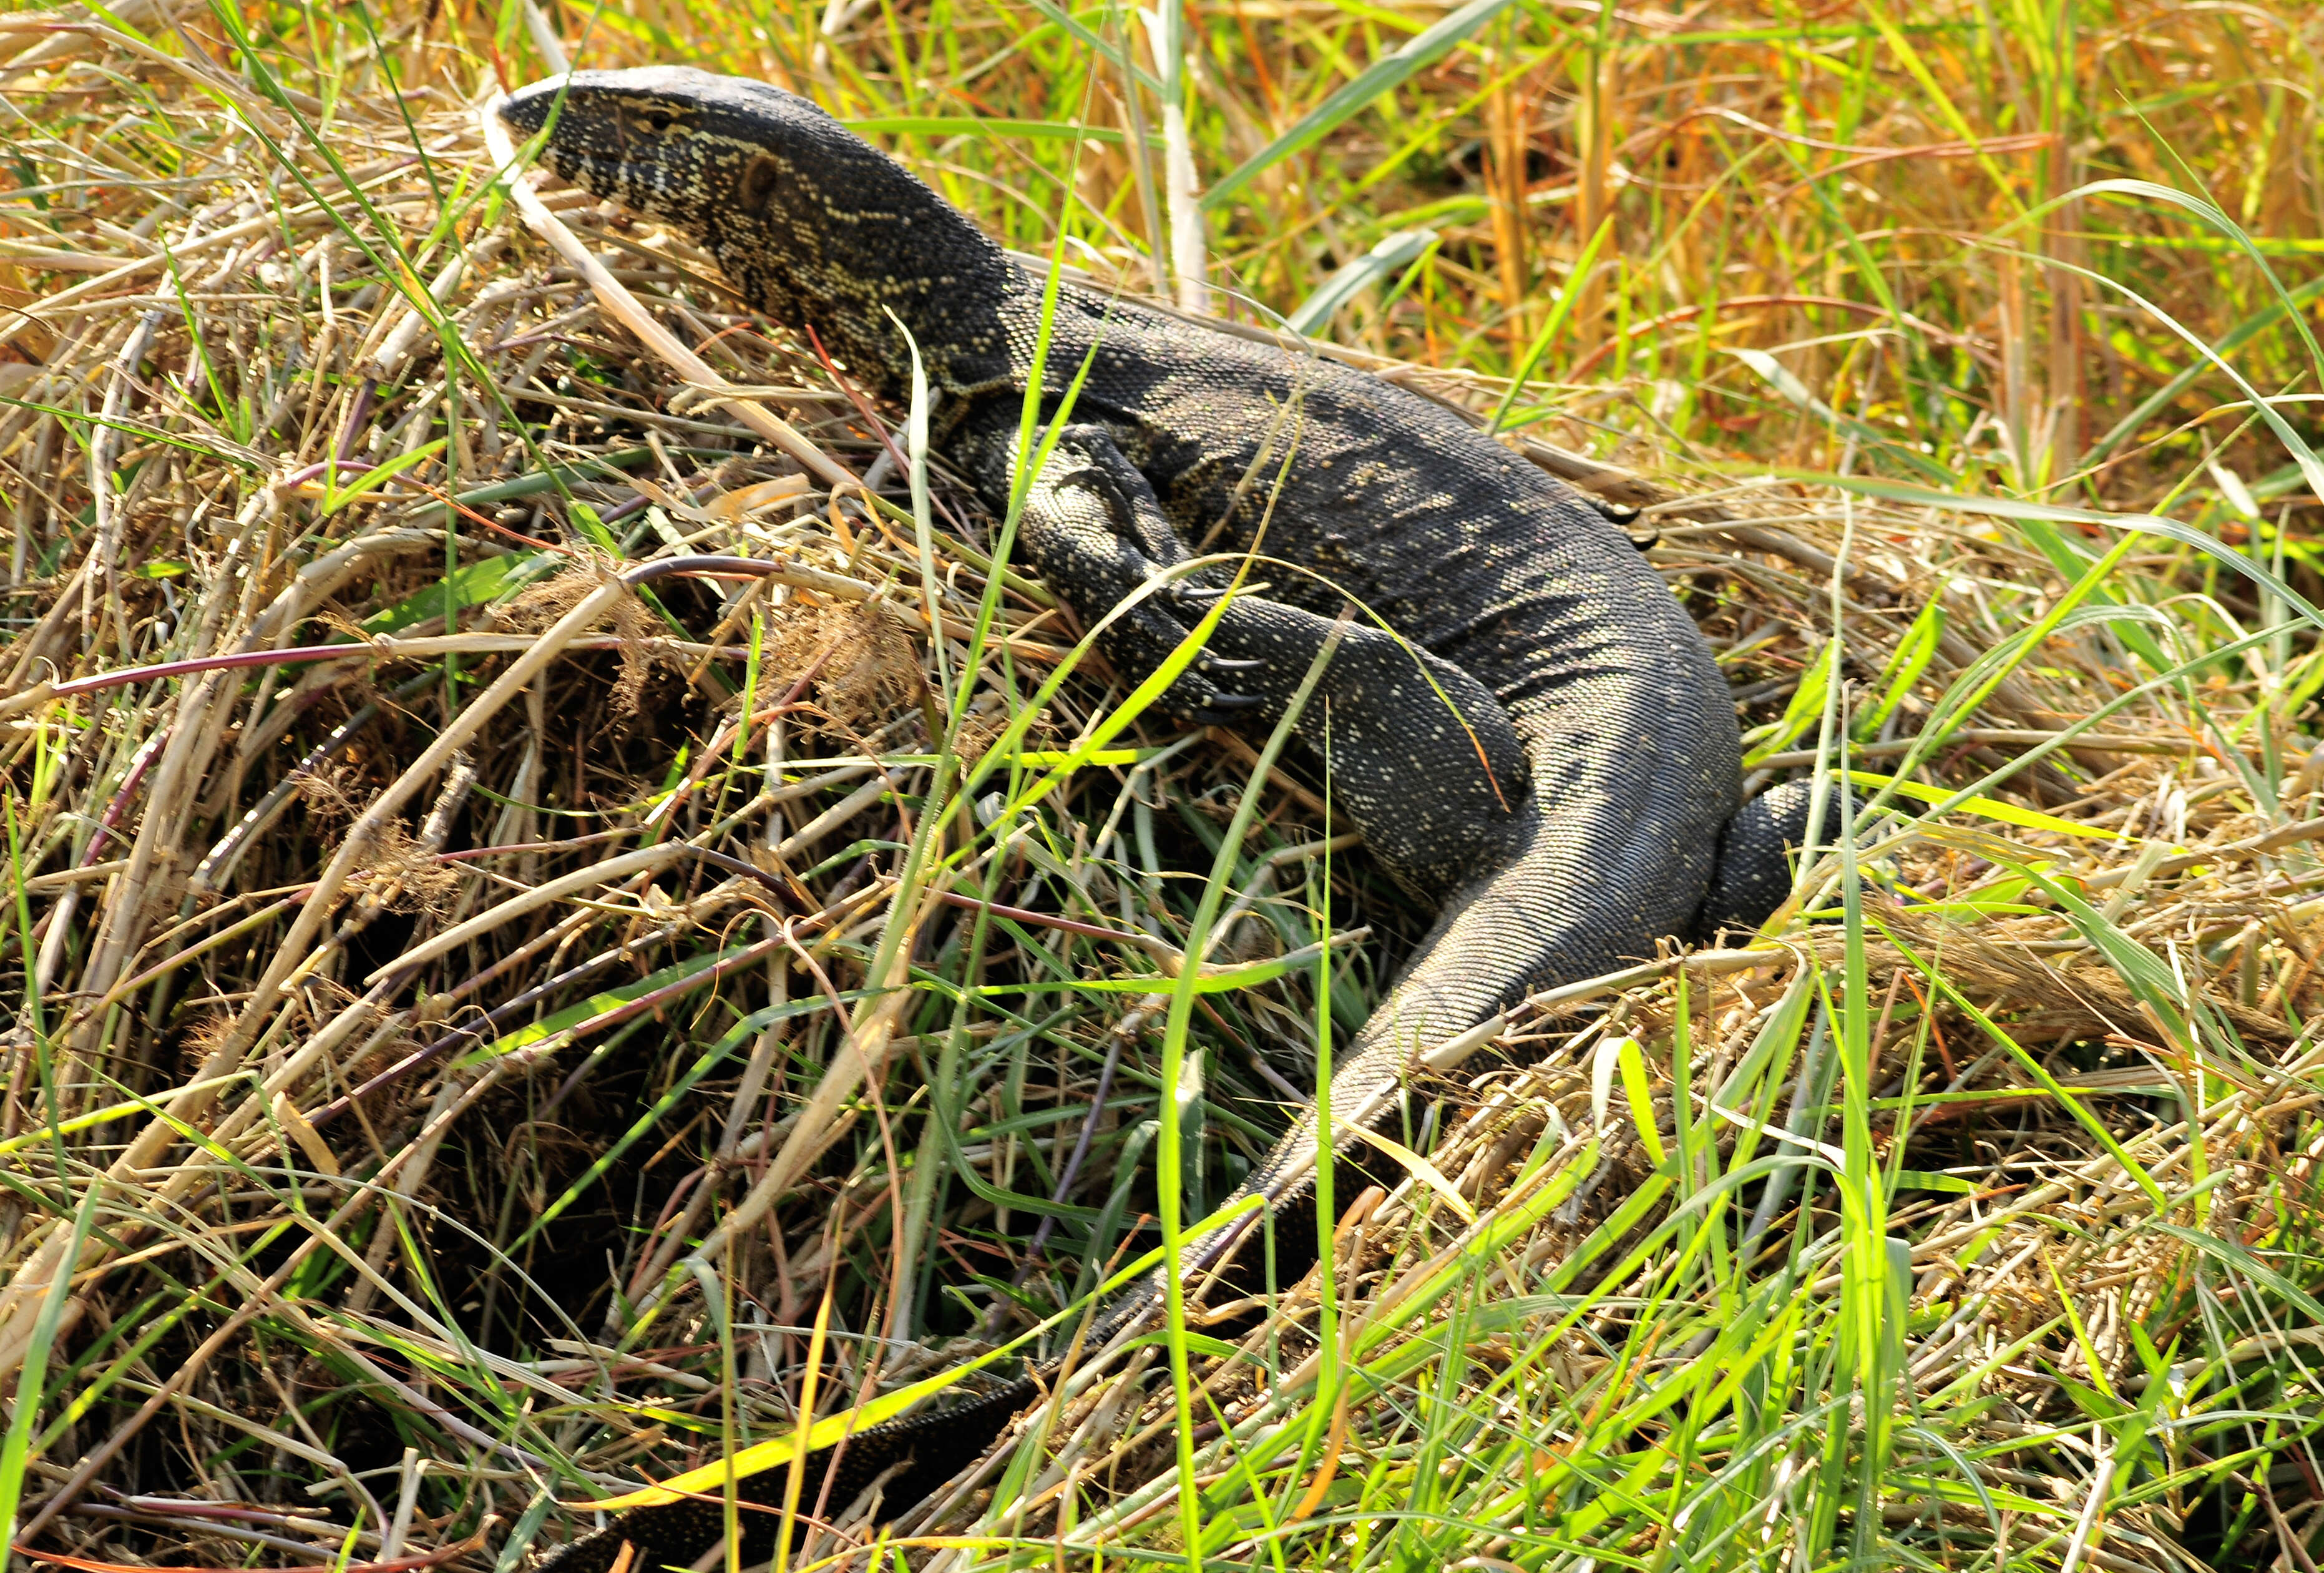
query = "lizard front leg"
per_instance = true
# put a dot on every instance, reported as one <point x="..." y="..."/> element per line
<point x="1094" y="527"/>
<point x="1424" y="757"/>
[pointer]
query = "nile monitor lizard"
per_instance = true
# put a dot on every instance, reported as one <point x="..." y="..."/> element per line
<point x="1583" y="802"/>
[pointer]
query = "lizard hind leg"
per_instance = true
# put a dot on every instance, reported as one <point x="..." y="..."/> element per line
<point x="1095" y="528"/>
<point x="1421" y="755"/>
<point x="1757" y="849"/>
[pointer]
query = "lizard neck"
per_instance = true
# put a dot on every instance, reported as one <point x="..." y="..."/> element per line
<point x="844" y="240"/>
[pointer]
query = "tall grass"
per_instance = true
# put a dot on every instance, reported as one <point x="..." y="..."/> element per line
<point x="587" y="1035"/>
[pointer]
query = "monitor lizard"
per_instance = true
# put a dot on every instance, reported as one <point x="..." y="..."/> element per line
<point x="1524" y="722"/>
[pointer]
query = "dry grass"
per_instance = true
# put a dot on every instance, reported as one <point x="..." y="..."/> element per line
<point x="423" y="1055"/>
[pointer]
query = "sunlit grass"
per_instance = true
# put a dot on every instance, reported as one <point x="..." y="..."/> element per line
<point x="1963" y="352"/>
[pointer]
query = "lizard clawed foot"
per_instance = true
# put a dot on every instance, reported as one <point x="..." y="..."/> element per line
<point x="1193" y="598"/>
<point x="1225" y="709"/>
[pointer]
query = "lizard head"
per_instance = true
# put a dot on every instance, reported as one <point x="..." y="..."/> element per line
<point x="817" y="226"/>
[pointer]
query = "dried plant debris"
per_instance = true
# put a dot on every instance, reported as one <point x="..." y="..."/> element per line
<point x="484" y="1036"/>
<point x="856" y="659"/>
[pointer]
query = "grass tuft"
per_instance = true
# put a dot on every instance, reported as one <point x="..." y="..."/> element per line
<point x="485" y="1035"/>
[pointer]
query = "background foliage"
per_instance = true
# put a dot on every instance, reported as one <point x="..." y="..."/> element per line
<point x="435" y="1083"/>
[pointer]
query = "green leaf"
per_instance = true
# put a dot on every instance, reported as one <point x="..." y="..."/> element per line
<point x="597" y="1004"/>
<point x="1913" y="652"/>
<point x="1201" y="1344"/>
<point x="337" y="497"/>
<point x="1804" y="710"/>
<point x="1384" y="75"/>
<point x="2238" y="1260"/>
<point x="1554" y="324"/>
<point x="1121" y="58"/>
<point x="2022" y="509"/>
<point x="15" y="1448"/>
<point x="1922" y="1180"/>
<point x="757" y="1021"/>
<point x="974" y="126"/>
<point x="1397" y="252"/>
<point x="586" y="519"/>
<point x="471" y="586"/>
<point x="553" y="478"/>
<point x="1989" y="807"/>
<point x="1636" y="1086"/>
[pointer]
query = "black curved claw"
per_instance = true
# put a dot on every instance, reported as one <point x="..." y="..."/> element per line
<point x="1623" y="515"/>
<point x="1221" y="709"/>
<point x="1202" y="595"/>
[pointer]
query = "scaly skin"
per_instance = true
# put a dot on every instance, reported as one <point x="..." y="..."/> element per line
<point x="1548" y="756"/>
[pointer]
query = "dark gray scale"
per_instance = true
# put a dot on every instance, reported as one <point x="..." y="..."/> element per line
<point x="1542" y="748"/>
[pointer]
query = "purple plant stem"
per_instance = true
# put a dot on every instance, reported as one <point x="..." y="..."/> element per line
<point x="358" y="417"/>
<point x="1073" y="1169"/>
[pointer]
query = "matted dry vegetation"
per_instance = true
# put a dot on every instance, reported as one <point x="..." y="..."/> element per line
<point x="446" y="978"/>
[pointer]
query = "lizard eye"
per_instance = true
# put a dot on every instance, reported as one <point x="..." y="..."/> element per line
<point x="635" y="121"/>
